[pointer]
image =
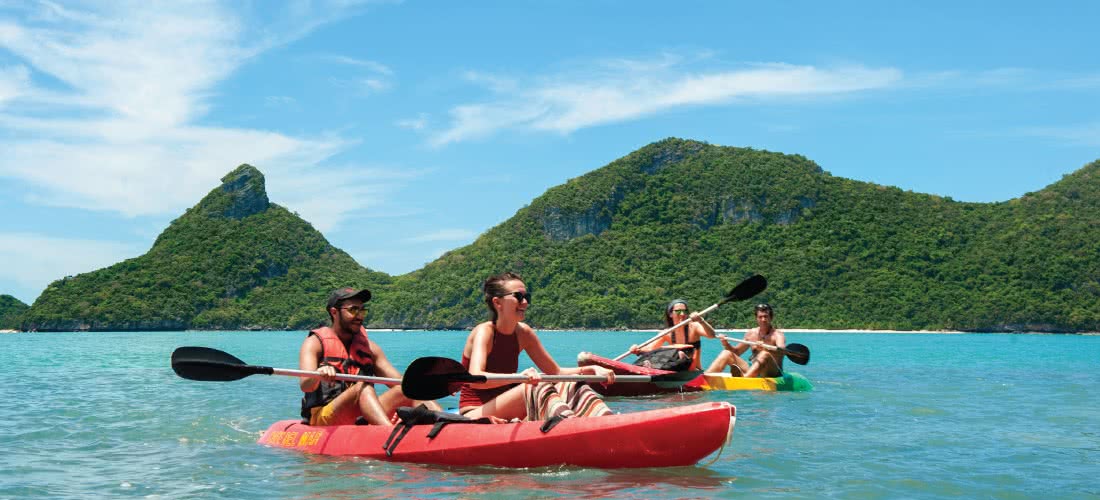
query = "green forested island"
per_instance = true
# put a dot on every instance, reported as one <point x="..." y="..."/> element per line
<point x="11" y="312"/>
<point x="234" y="260"/>
<point x="676" y="218"/>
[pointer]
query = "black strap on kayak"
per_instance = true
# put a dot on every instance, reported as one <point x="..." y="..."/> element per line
<point x="552" y="421"/>
<point x="421" y="415"/>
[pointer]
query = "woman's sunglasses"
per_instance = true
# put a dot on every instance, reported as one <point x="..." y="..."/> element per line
<point x="520" y="296"/>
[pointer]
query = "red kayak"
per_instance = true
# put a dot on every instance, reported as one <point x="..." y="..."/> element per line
<point x="657" y="438"/>
<point x="587" y="358"/>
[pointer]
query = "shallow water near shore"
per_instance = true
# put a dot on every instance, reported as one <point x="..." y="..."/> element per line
<point x="900" y="415"/>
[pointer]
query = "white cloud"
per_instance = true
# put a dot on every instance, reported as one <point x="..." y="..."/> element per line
<point x="14" y="81"/>
<point x="34" y="261"/>
<point x="362" y="86"/>
<point x="374" y="66"/>
<point x="337" y="194"/>
<point x="104" y="114"/>
<point x="418" y="123"/>
<point x="444" y="235"/>
<point x="624" y="90"/>
<point x="1087" y="134"/>
<point x="374" y="77"/>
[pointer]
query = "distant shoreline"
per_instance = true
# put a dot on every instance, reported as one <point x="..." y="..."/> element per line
<point x="653" y="330"/>
<point x="742" y="331"/>
<point x="814" y="330"/>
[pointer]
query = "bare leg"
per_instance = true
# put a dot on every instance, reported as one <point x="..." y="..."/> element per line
<point x="508" y="405"/>
<point x="763" y="365"/>
<point x="344" y="405"/>
<point x="728" y="358"/>
<point x="720" y="362"/>
<point x="371" y="406"/>
<point x="394" y="397"/>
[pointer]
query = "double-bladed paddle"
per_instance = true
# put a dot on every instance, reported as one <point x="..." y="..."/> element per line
<point x="797" y="353"/>
<point x="434" y="377"/>
<point x="212" y="365"/>
<point x="745" y="290"/>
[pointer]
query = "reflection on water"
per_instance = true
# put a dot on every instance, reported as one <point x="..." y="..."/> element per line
<point x="326" y="477"/>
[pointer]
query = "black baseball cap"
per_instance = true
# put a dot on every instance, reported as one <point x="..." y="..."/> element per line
<point x="346" y="293"/>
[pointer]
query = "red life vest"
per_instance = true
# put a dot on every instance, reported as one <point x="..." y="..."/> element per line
<point x="353" y="359"/>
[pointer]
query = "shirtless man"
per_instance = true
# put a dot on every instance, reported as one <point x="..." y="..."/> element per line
<point x="765" y="363"/>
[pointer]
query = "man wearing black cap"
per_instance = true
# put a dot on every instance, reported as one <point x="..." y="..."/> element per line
<point x="344" y="348"/>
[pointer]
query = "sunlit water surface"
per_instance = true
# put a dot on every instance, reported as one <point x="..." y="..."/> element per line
<point x="892" y="415"/>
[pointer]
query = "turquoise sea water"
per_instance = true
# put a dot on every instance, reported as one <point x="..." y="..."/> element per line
<point x="892" y="415"/>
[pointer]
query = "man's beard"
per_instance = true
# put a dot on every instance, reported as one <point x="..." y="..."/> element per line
<point x="349" y="327"/>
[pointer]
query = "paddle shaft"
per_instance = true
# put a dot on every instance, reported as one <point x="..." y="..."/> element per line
<point x="566" y="378"/>
<point x="669" y="329"/>
<point x="339" y="376"/>
<point x="757" y="344"/>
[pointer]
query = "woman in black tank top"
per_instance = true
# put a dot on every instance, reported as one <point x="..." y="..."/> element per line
<point x="687" y="338"/>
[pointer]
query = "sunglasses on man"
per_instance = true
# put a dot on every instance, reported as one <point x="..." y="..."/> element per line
<point x="355" y="310"/>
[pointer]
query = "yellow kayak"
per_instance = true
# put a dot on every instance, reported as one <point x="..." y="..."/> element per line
<point x="727" y="382"/>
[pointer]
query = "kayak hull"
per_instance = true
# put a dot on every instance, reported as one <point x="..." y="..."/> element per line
<point x="658" y="438"/>
<point x="704" y="382"/>
<point x="725" y="382"/>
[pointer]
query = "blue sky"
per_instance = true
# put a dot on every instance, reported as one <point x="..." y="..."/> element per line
<point x="405" y="129"/>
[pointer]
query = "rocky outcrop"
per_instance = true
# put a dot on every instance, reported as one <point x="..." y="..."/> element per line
<point x="792" y="215"/>
<point x="671" y="151"/>
<point x="241" y="194"/>
<point x="560" y="226"/>
<point x="745" y="210"/>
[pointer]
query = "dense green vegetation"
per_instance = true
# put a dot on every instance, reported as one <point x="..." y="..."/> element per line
<point x="608" y="250"/>
<point x="686" y="219"/>
<point x="232" y="261"/>
<point x="11" y="311"/>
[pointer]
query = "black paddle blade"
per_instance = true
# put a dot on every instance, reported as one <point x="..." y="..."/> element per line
<point x="674" y="380"/>
<point x="798" y="353"/>
<point x="434" y="377"/>
<point x="747" y="289"/>
<point x="211" y="365"/>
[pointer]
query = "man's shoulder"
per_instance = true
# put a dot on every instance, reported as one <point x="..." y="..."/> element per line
<point x="311" y="342"/>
